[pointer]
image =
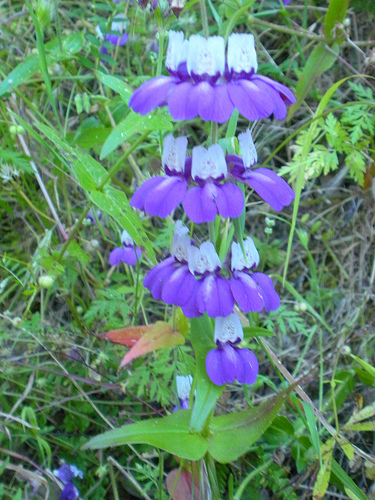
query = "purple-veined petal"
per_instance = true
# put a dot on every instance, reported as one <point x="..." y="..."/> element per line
<point x="155" y="278"/>
<point x="214" y="367"/>
<point x="152" y="94"/>
<point x="231" y="363"/>
<point x="279" y="106"/>
<point x="179" y="288"/>
<point x="246" y="293"/>
<point x="191" y="309"/>
<point x="250" y="101"/>
<point x="272" y="188"/>
<point x="143" y="192"/>
<point x="70" y="492"/>
<point x="180" y="104"/>
<point x="214" y="296"/>
<point x="223" y="106"/>
<point x="203" y="94"/>
<point x="286" y="94"/>
<point x="250" y="367"/>
<point x="115" y="257"/>
<point x="229" y="200"/>
<point x="199" y="204"/>
<point x="265" y="285"/>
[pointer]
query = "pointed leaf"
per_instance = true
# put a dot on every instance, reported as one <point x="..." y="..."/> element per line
<point x="159" y="336"/>
<point x="125" y="336"/>
<point x="117" y="84"/>
<point x="232" y="435"/>
<point x="347" y="482"/>
<point x="207" y="393"/>
<point x="170" y="433"/>
<point x="324" y="474"/>
<point x="182" y="485"/>
<point x="335" y="15"/>
<point x="135" y="123"/>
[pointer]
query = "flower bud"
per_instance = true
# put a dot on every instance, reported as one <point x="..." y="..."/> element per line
<point x="268" y="230"/>
<point x="46" y="281"/>
<point x="20" y="129"/>
<point x="270" y="222"/>
<point x="13" y="130"/>
<point x="345" y="350"/>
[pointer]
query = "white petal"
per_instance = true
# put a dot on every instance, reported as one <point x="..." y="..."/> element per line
<point x="228" y="329"/>
<point x="248" y="150"/>
<point x="126" y="239"/>
<point x="208" y="163"/>
<point x="181" y="242"/>
<point x="174" y="151"/>
<point x="119" y="26"/>
<point x="99" y="32"/>
<point x="239" y="262"/>
<point x="206" y="56"/>
<point x="204" y="259"/>
<point x="177" y="50"/>
<point x="184" y="386"/>
<point x="241" y="53"/>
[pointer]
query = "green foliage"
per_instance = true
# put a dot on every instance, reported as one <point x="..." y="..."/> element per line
<point x="109" y="309"/>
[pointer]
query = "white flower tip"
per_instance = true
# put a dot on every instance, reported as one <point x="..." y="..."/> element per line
<point x="206" y="56"/>
<point x="248" y="150"/>
<point x="241" y="53"/>
<point x="177" y="50"/>
<point x="184" y="384"/>
<point x="204" y="259"/>
<point x="99" y="32"/>
<point x="208" y="163"/>
<point x="181" y="242"/>
<point x="247" y="261"/>
<point x="126" y="239"/>
<point x="228" y="329"/>
<point x="174" y="153"/>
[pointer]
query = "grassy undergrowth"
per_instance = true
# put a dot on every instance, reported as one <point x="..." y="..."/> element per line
<point x="59" y="382"/>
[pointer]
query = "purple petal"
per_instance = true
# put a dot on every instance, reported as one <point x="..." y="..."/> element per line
<point x="70" y="492"/>
<point x="180" y="104"/>
<point x="115" y="257"/>
<point x="152" y="94"/>
<point x="286" y="95"/>
<point x="250" y="367"/>
<point x="229" y="200"/>
<point x="265" y="285"/>
<point x="246" y="293"/>
<point x="160" y="197"/>
<point x="250" y="101"/>
<point x="199" y="204"/>
<point x="130" y="255"/>
<point x="272" y="188"/>
<point x="211" y="102"/>
<point x="214" y="367"/>
<point x="116" y="39"/>
<point x="155" y="278"/>
<point x="179" y="288"/>
<point x="223" y="106"/>
<point x="214" y="296"/>
<point x="191" y="308"/>
<point x="231" y="363"/>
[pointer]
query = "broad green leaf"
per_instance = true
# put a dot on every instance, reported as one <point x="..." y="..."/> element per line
<point x="232" y="435"/>
<point x="117" y="84"/>
<point x="26" y="69"/>
<point x="347" y="482"/>
<point x="324" y="474"/>
<point x="90" y="174"/>
<point x="319" y="61"/>
<point x="135" y="123"/>
<point x="159" y="336"/>
<point x="311" y="422"/>
<point x="170" y="433"/>
<point x="335" y="15"/>
<point x="207" y="393"/>
<point x="115" y="203"/>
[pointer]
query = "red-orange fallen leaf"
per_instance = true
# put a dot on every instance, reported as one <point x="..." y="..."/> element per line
<point x="126" y="336"/>
<point x="183" y="487"/>
<point x="159" y="336"/>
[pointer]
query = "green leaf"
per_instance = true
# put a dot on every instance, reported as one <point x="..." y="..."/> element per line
<point x="335" y="14"/>
<point x="232" y="435"/>
<point x="115" y="203"/>
<point x="319" y="61"/>
<point x="170" y="433"/>
<point x="207" y="393"/>
<point x="135" y="123"/>
<point x="366" y="366"/>
<point x="346" y="480"/>
<point x="324" y="474"/>
<point x="117" y="84"/>
<point x="90" y="174"/>
<point x="311" y="422"/>
<point x="256" y="331"/>
<point x="26" y="69"/>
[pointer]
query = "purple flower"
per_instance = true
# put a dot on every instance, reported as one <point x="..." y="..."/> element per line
<point x="212" y="292"/>
<point x="127" y="254"/>
<point x="66" y="473"/>
<point x="184" y="384"/>
<point x="272" y="188"/>
<point x="90" y="217"/>
<point x="116" y="36"/>
<point x="203" y="203"/>
<point x="252" y="292"/>
<point x="228" y="362"/>
<point x="161" y="195"/>
<point x="203" y="83"/>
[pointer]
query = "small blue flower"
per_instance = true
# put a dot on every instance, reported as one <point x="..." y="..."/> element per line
<point x="66" y="473"/>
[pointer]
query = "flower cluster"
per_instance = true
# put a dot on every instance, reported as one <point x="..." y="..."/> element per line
<point x="66" y="473"/>
<point x="210" y="177"/>
<point x="209" y="82"/>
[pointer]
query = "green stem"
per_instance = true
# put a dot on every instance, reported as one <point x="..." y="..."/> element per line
<point x="251" y="476"/>
<point x="204" y="17"/>
<point x="161" y="52"/>
<point x="214" y="133"/>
